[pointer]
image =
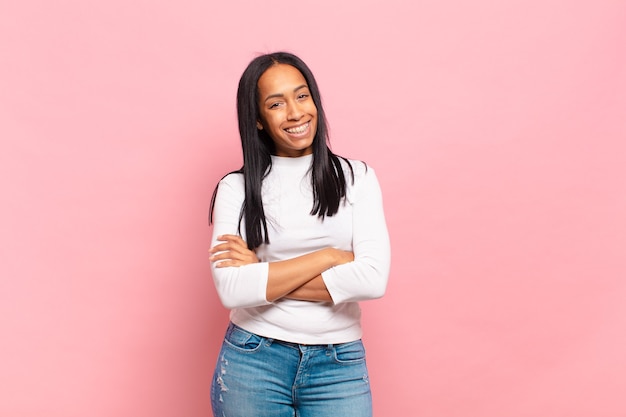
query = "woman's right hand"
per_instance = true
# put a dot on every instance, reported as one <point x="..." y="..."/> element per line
<point x="231" y="250"/>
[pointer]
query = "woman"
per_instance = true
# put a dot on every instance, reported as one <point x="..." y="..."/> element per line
<point x="299" y="238"/>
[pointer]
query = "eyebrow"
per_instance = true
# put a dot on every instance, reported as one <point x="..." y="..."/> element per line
<point x="282" y="95"/>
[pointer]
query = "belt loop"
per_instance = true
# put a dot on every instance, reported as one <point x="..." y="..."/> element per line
<point x="268" y="342"/>
<point x="229" y="329"/>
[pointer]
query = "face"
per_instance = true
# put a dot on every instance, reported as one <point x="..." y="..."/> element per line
<point x="286" y="110"/>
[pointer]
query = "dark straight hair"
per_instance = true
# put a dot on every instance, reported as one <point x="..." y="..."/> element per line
<point x="327" y="176"/>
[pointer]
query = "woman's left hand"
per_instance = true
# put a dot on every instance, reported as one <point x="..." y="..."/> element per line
<point x="232" y="252"/>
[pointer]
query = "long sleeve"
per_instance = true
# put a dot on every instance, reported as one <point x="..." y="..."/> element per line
<point x="237" y="287"/>
<point x="366" y="277"/>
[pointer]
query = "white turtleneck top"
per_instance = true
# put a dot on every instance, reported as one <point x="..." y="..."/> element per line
<point x="359" y="226"/>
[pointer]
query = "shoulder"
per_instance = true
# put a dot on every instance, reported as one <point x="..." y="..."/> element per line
<point x="360" y="178"/>
<point x="233" y="179"/>
<point x="227" y="198"/>
<point x="231" y="185"/>
<point x="357" y="169"/>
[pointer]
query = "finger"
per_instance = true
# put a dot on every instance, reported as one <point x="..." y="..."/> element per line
<point x="234" y="258"/>
<point x="234" y="255"/>
<point x="229" y="244"/>
<point x="235" y="240"/>
<point x="223" y="264"/>
<point x="231" y="238"/>
<point x="223" y="256"/>
<point x="229" y="263"/>
<point x="219" y="248"/>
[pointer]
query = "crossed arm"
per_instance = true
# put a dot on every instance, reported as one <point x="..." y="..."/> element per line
<point x="298" y="278"/>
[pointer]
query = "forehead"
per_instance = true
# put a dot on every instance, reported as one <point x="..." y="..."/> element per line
<point x="280" y="78"/>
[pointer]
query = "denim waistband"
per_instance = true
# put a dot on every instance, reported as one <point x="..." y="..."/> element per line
<point x="270" y="340"/>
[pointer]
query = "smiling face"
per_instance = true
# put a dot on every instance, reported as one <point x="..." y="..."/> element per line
<point x="287" y="111"/>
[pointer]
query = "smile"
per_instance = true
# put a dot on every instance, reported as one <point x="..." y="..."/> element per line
<point x="298" y="129"/>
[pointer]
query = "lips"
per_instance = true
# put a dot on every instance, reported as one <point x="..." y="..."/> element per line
<point x="298" y="129"/>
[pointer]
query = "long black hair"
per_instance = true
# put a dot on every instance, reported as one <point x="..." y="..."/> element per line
<point x="327" y="175"/>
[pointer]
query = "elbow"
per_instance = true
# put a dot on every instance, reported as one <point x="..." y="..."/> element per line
<point x="232" y="301"/>
<point x="370" y="291"/>
<point x="370" y="283"/>
<point x="377" y="283"/>
<point x="378" y="291"/>
<point x="224" y="291"/>
<point x="238" y="292"/>
<point x="226" y="298"/>
<point x="229" y="303"/>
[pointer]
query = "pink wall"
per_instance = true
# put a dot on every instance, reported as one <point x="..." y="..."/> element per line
<point x="498" y="132"/>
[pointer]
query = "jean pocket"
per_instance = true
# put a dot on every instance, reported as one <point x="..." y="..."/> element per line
<point x="242" y="340"/>
<point x="350" y="353"/>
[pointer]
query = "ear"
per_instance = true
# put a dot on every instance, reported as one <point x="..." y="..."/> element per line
<point x="259" y="125"/>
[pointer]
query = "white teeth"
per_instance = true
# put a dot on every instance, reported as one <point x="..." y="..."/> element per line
<point x="299" y="129"/>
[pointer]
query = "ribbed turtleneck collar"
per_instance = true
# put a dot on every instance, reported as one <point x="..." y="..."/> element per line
<point x="287" y="162"/>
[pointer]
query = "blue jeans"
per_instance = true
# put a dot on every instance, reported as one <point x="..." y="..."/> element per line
<point x="260" y="377"/>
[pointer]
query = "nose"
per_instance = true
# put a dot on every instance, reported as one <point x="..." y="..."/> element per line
<point x="294" y="111"/>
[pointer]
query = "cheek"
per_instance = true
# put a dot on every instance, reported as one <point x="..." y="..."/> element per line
<point x="274" y="125"/>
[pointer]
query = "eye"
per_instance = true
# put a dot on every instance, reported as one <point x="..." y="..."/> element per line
<point x="303" y="96"/>
<point x="274" y="105"/>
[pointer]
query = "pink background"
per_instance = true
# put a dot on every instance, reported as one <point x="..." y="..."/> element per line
<point x="497" y="129"/>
